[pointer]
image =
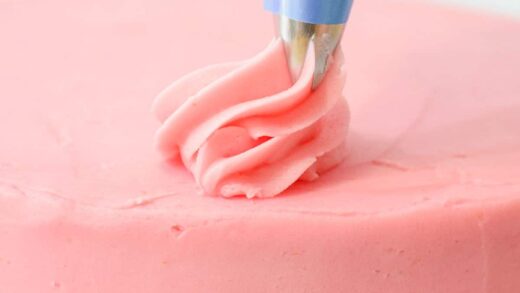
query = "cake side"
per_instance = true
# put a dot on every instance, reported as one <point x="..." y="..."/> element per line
<point x="433" y="246"/>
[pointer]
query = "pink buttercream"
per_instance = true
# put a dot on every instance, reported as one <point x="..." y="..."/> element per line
<point x="245" y="129"/>
<point x="427" y="200"/>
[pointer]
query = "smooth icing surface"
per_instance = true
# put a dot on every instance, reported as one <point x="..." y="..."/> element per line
<point x="428" y="197"/>
<point x="245" y="129"/>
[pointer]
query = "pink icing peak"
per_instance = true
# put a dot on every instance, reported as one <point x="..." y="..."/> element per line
<point x="245" y="129"/>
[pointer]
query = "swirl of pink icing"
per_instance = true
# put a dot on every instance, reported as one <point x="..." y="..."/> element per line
<point x="245" y="129"/>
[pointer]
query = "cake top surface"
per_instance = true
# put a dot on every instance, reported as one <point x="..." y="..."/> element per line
<point x="434" y="105"/>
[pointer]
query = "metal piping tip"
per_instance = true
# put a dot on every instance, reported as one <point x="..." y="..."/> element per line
<point x="297" y="36"/>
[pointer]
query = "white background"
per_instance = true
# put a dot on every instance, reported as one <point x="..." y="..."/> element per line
<point x="505" y="7"/>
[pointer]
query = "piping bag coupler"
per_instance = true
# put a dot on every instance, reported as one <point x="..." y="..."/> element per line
<point x="302" y="22"/>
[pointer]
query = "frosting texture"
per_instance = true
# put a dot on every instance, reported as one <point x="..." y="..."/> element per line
<point x="245" y="129"/>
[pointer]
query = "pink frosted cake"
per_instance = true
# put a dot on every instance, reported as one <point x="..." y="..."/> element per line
<point x="426" y="197"/>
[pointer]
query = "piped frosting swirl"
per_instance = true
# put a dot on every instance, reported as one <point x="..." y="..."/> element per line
<point x="245" y="129"/>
